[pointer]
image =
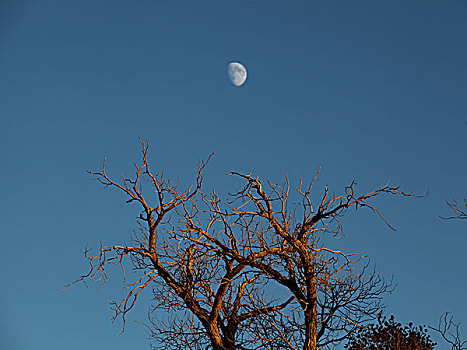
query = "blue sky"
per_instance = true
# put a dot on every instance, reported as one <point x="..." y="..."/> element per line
<point x="368" y="90"/>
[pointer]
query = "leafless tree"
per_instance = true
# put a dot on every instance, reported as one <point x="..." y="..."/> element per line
<point x="450" y="332"/>
<point x="333" y="293"/>
<point x="246" y="272"/>
<point x="213" y="300"/>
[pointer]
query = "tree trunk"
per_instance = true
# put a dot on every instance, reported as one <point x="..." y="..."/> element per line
<point x="311" y="326"/>
<point x="216" y="338"/>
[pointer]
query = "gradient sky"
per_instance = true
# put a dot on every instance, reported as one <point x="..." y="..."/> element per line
<point x="368" y="90"/>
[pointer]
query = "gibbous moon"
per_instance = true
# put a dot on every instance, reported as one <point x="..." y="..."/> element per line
<point x="237" y="73"/>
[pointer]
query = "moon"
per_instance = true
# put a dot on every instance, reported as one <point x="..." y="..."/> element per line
<point x="237" y="73"/>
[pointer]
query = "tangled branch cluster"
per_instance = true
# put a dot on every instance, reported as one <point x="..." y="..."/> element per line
<point x="243" y="273"/>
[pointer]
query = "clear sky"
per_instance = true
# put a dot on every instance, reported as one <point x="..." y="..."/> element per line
<point x="368" y="90"/>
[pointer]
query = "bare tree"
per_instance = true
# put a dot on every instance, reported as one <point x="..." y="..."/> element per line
<point x="333" y="293"/>
<point x="250" y="271"/>
<point x="450" y="332"/>
<point x="213" y="300"/>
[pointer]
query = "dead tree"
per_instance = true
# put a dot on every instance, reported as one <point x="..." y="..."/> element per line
<point x="250" y="271"/>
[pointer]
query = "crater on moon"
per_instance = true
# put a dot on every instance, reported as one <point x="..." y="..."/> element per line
<point x="237" y="73"/>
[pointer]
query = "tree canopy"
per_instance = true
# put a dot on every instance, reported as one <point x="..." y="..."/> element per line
<point x="253" y="269"/>
<point x="387" y="334"/>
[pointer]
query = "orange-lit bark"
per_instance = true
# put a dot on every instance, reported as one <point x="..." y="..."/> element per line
<point x="214" y="263"/>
